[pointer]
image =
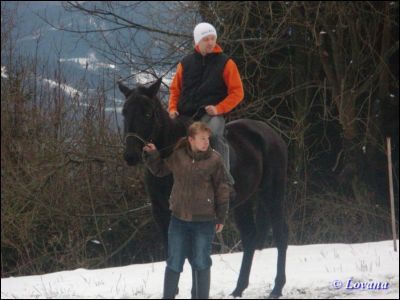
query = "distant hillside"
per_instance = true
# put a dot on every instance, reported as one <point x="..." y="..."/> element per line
<point x="81" y="65"/>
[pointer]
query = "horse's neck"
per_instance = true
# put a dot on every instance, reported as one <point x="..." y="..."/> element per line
<point x="171" y="131"/>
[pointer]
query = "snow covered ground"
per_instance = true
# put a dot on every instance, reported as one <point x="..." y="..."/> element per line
<point x="368" y="270"/>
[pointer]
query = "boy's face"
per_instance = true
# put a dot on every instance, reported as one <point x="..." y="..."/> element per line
<point x="207" y="44"/>
<point x="200" y="142"/>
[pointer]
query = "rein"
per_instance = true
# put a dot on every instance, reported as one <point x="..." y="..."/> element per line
<point x="145" y="142"/>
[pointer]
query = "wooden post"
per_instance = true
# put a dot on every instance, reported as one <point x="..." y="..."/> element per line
<point x="389" y="154"/>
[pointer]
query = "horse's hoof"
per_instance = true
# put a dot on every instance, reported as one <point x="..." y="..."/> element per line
<point x="236" y="294"/>
<point x="274" y="296"/>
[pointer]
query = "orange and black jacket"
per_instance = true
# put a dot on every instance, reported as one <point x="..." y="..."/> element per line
<point x="200" y="80"/>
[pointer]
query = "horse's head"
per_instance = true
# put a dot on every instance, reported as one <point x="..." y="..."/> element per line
<point x="141" y="110"/>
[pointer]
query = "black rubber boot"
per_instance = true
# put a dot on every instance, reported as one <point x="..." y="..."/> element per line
<point x="201" y="284"/>
<point x="171" y="280"/>
<point x="194" y="284"/>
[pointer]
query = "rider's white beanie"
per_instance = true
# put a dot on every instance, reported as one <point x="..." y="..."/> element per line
<point x="203" y="29"/>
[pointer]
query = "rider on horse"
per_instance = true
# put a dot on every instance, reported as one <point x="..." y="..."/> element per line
<point x="209" y="79"/>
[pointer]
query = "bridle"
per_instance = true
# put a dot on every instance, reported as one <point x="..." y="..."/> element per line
<point x="135" y="135"/>
<point x="147" y="140"/>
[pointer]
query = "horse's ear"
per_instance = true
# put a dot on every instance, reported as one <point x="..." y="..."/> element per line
<point x="152" y="90"/>
<point x="124" y="89"/>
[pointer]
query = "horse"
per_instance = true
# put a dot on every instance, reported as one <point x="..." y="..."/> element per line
<point x="258" y="165"/>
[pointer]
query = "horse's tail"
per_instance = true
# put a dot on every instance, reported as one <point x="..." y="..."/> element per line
<point x="271" y="208"/>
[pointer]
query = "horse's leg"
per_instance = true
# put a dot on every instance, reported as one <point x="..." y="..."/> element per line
<point x="162" y="220"/>
<point x="245" y="223"/>
<point x="159" y="190"/>
<point x="278" y="216"/>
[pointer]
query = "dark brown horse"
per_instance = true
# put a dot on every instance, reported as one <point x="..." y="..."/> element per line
<point x="258" y="165"/>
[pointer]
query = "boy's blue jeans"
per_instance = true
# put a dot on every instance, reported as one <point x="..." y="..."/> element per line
<point x="192" y="240"/>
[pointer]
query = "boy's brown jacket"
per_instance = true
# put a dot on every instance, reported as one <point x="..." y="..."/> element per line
<point x="201" y="187"/>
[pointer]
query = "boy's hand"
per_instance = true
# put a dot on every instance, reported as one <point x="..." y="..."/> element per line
<point x="219" y="227"/>
<point x="149" y="147"/>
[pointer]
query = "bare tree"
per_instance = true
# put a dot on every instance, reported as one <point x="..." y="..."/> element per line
<point x="309" y="67"/>
<point x="323" y="74"/>
<point x="136" y="36"/>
